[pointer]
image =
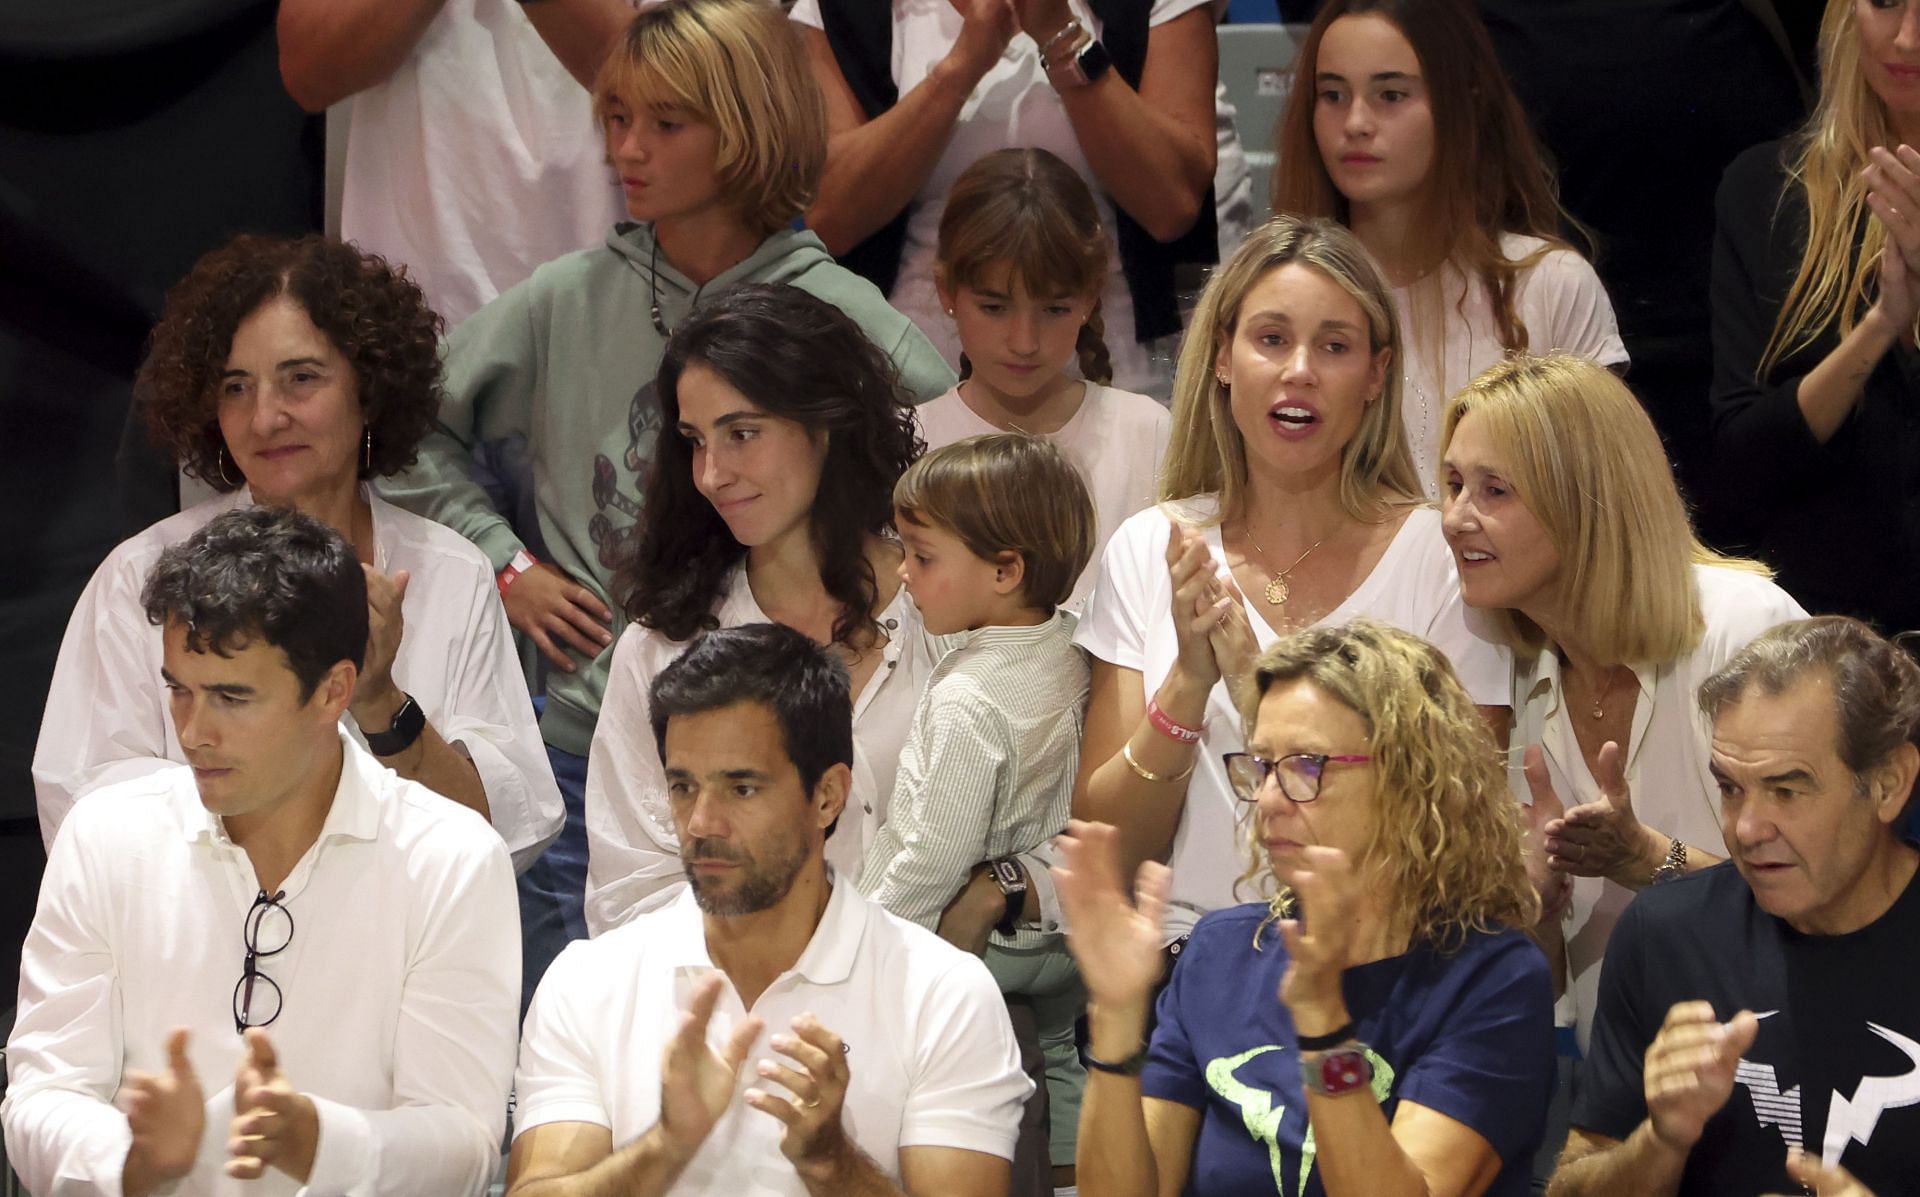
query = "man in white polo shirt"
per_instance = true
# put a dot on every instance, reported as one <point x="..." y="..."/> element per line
<point x="280" y="967"/>
<point x="771" y="1031"/>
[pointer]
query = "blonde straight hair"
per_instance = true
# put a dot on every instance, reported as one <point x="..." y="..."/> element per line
<point x="1831" y="287"/>
<point x="1206" y="455"/>
<point x="739" y="66"/>
<point x="1585" y="459"/>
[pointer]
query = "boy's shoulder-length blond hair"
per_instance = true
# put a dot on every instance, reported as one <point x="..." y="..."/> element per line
<point x="1583" y="456"/>
<point x="1205" y="453"/>
<point x="1446" y="845"/>
<point x="738" y="65"/>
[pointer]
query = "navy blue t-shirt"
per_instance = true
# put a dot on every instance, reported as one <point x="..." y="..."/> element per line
<point x="1835" y="1068"/>
<point x="1469" y="1035"/>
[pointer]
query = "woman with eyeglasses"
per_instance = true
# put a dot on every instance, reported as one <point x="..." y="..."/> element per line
<point x="1409" y="1049"/>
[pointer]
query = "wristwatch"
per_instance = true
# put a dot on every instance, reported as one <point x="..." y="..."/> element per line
<point x="408" y="722"/>
<point x="1675" y="863"/>
<point x="1341" y="1070"/>
<point x="1012" y="880"/>
<point x="1083" y="63"/>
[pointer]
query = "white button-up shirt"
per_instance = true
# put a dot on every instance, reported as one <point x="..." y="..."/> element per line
<point x="1668" y="753"/>
<point x="400" y="986"/>
<point x="930" y="1052"/>
<point x="107" y="717"/>
<point x="633" y="852"/>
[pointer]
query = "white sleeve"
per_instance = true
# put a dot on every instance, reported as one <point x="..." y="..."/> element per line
<point x="1113" y="626"/>
<point x="633" y="853"/>
<point x="489" y="715"/>
<point x="105" y="717"/>
<point x="64" y="1135"/>
<point x="968" y="1087"/>
<point x="1565" y="307"/>
<point x="1483" y="663"/>
<point x="558" y="1079"/>
<point x="807" y="13"/>
<point x="452" y="1051"/>
<point x="1166" y="10"/>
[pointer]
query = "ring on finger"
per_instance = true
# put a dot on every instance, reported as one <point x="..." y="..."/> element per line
<point x="810" y="1105"/>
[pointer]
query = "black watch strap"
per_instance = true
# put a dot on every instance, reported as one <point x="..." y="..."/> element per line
<point x="1320" y="1043"/>
<point x="1130" y="1066"/>
<point x="408" y="722"/>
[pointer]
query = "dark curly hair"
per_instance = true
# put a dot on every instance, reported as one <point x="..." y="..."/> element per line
<point x="795" y="356"/>
<point x="371" y="311"/>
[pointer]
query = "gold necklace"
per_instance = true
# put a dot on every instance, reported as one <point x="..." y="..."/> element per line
<point x="1599" y="711"/>
<point x="1277" y="587"/>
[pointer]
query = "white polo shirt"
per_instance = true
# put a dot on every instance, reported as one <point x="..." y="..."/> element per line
<point x="929" y="1048"/>
<point x="399" y="987"/>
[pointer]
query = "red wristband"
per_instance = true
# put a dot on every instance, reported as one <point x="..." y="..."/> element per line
<point x="1164" y="724"/>
<point x="521" y="563"/>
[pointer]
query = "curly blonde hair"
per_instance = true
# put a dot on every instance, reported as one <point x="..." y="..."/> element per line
<point x="1447" y="843"/>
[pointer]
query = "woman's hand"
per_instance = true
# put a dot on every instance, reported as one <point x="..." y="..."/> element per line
<point x="1232" y="638"/>
<point x="1324" y="944"/>
<point x="1605" y="838"/>
<point x="1554" y="885"/>
<point x="986" y="28"/>
<point x="1041" y="19"/>
<point x="1199" y="604"/>
<point x="1893" y="194"/>
<point x="1117" y="943"/>
<point x="374" y="698"/>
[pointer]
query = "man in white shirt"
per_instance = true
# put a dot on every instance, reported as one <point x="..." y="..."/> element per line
<point x="891" y="1069"/>
<point x="291" y="969"/>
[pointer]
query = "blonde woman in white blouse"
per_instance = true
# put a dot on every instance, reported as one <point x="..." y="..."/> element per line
<point x="1562" y="513"/>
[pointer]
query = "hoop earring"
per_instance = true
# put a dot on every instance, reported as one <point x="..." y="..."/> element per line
<point x="366" y="453"/>
<point x="220" y="461"/>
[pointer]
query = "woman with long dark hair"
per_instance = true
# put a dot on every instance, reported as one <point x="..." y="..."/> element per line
<point x="771" y="499"/>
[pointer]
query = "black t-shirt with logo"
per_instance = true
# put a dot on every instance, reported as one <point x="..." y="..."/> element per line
<point x="1835" y="1067"/>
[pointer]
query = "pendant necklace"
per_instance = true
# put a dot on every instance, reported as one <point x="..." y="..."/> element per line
<point x="1599" y="712"/>
<point x="1277" y="586"/>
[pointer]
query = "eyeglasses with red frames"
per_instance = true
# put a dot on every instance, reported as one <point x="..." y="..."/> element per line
<point x="1298" y="773"/>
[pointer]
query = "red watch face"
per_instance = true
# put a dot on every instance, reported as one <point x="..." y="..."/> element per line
<point x="1344" y="1071"/>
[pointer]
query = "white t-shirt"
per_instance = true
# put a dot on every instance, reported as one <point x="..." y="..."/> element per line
<point x="107" y="717"/>
<point x="1013" y="105"/>
<point x="399" y="987"/>
<point x="1667" y="756"/>
<point x="633" y="852"/>
<point x="930" y="1052"/>
<point x="1559" y="299"/>
<point x="1128" y="622"/>
<point x="476" y="160"/>
<point x="1117" y="439"/>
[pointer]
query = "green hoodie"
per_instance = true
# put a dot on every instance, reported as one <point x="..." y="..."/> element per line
<point x="567" y="360"/>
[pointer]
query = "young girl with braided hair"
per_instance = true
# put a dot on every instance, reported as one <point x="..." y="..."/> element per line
<point x="1020" y="267"/>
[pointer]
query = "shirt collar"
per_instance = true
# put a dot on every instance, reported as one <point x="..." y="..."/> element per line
<point x="354" y="813"/>
<point x="1545" y="680"/>
<point x="377" y="506"/>
<point x="827" y="960"/>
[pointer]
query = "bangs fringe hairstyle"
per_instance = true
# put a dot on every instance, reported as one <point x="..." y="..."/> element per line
<point x="1205" y="454"/>
<point x="1584" y="457"/>
<point x="795" y="357"/>
<point x="1488" y="176"/>
<point x="739" y="66"/>
<point x="1006" y="492"/>
<point x="1027" y="211"/>
<point x="374" y="315"/>
<point x="1832" y="287"/>
<point x="1447" y="846"/>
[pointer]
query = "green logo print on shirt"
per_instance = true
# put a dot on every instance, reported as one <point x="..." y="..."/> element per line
<point x="1262" y="1116"/>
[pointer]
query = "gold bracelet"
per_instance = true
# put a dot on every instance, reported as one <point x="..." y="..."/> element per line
<point x="1126" y="754"/>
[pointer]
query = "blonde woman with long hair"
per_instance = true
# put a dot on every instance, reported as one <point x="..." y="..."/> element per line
<point x="1816" y="286"/>
<point x="1410" y="1050"/>
<point x="1568" y="530"/>
<point x="1288" y="499"/>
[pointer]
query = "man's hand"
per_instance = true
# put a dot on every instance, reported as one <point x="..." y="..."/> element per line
<point x="167" y="1114"/>
<point x="1689" y="1070"/>
<point x="1604" y="838"/>
<point x="1822" y="1180"/>
<point x="696" y="1083"/>
<point x="814" y="1139"/>
<point x="552" y="609"/>
<point x="273" y="1126"/>
<point x="974" y="912"/>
